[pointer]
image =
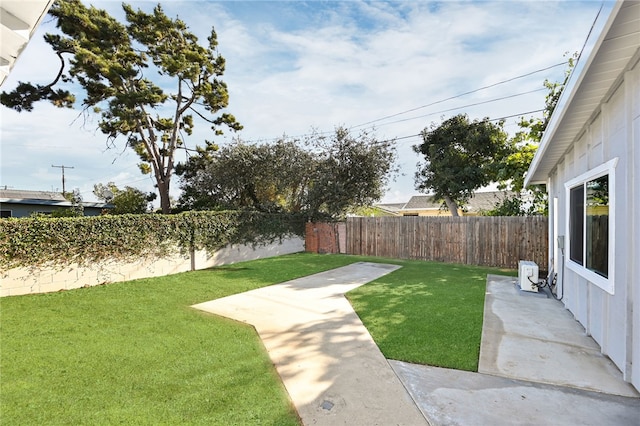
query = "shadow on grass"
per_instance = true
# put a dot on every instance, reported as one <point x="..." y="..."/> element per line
<point x="427" y="313"/>
<point x="66" y="356"/>
<point x="330" y="367"/>
<point x="320" y="347"/>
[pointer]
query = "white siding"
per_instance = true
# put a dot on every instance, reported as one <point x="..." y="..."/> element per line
<point x="609" y="319"/>
<point x="633" y="219"/>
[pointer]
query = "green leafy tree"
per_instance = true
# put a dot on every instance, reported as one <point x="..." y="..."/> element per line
<point x="509" y="206"/>
<point x="351" y="172"/>
<point x="264" y="177"/>
<point x="525" y="144"/>
<point x="76" y="210"/>
<point x="460" y="157"/>
<point x="532" y="129"/>
<point x="323" y="176"/>
<point x="510" y="178"/>
<point x="111" y="61"/>
<point x="125" y="201"/>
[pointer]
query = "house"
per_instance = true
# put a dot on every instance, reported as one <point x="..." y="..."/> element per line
<point x="16" y="203"/>
<point x="589" y="159"/>
<point x="19" y="20"/>
<point x="427" y="205"/>
<point x="424" y="205"/>
<point x="392" y="209"/>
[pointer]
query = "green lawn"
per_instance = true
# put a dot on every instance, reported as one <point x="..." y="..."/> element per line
<point x="427" y="312"/>
<point x="136" y="353"/>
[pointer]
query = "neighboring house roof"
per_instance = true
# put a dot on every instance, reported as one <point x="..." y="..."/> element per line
<point x="422" y="202"/>
<point x="478" y="202"/>
<point x="482" y="201"/>
<point x="18" y="21"/>
<point x="21" y="195"/>
<point x="393" y="208"/>
<point x="46" y="198"/>
<point x="612" y="49"/>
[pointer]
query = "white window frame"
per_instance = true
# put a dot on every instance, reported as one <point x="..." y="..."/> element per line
<point x="608" y="168"/>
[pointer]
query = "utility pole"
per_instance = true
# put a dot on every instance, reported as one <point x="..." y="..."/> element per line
<point x="62" y="167"/>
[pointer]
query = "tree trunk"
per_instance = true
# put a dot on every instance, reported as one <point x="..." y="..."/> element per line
<point x="165" y="202"/>
<point x="453" y="207"/>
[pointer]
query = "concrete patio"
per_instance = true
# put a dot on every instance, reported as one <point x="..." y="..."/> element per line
<point x="537" y="367"/>
<point x="536" y="364"/>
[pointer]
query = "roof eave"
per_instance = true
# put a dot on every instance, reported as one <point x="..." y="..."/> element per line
<point x="14" y="26"/>
<point x="58" y="203"/>
<point x="536" y="174"/>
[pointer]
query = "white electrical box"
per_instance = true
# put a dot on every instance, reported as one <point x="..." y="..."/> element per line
<point x="528" y="275"/>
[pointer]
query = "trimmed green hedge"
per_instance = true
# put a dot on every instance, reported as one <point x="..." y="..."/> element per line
<point x="39" y="242"/>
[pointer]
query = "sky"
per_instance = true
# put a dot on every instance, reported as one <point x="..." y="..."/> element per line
<point x="393" y="68"/>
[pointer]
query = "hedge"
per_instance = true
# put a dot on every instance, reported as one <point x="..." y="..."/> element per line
<point x="46" y="242"/>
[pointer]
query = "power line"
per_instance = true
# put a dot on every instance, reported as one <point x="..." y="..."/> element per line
<point x="383" y="141"/>
<point x="433" y="113"/>
<point x="463" y="106"/>
<point x="492" y="119"/>
<point x="460" y="95"/>
<point x="430" y="104"/>
<point x="593" y="24"/>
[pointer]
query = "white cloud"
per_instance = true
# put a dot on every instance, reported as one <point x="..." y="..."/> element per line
<point x="292" y="66"/>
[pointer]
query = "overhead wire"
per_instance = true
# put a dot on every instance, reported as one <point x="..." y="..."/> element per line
<point x="508" y="80"/>
<point x="492" y="119"/>
<point x="593" y="24"/>
<point x="461" y="94"/>
<point x="463" y="106"/>
<point x="421" y="116"/>
<point x="436" y="103"/>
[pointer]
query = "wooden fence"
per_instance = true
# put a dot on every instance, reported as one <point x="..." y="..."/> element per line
<point x="486" y="241"/>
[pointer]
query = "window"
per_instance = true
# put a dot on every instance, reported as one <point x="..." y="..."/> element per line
<point x="5" y="213"/>
<point x="597" y="231"/>
<point x="576" y="223"/>
<point x="589" y="224"/>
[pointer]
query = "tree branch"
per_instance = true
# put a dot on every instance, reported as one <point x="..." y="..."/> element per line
<point x="201" y="116"/>
<point x="26" y="94"/>
<point x="61" y="70"/>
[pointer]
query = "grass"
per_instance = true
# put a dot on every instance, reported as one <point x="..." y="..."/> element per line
<point x="136" y="353"/>
<point x="427" y="312"/>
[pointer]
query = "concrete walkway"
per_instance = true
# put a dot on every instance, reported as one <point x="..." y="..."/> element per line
<point x="461" y="398"/>
<point x="531" y="336"/>
<point x="537" y="366"/>
<point x="334" y="372"/>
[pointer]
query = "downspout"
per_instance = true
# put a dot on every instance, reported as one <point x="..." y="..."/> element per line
<point x="559" y="250"/>
<point x="557" y="242"/>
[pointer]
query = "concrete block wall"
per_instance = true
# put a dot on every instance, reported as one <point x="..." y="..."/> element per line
<point x="20" y="281"/>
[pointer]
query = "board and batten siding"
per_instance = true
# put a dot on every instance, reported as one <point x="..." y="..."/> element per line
<point x="610" y="319"/>
<point x="485" y="241"/>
